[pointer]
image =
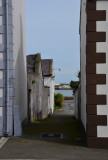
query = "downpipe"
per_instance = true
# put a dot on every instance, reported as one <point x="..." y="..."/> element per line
<point x="7" y="133"/>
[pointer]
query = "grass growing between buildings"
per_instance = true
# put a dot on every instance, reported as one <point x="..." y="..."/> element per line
<point x="67" y="125"/>
<point x="57" y="107"/>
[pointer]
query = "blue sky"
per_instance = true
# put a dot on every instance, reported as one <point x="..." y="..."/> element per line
<point x="53" y="30"/>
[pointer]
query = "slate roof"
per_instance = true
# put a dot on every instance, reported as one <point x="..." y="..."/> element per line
<point x="47" y="67"/>
<point x="31" y="60"/>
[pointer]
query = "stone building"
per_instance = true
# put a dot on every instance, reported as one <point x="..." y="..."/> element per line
<point x="94" y="71"/>
<point x="13" y="77"/>
<point x="47" y="69"/>
<point x="38" y="94"/>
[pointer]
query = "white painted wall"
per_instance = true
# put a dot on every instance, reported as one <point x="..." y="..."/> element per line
<point x="19" y="56"/>
<point x="0" y="19"/>
<point x="0" y="2"/>
<point x="49" y="81"/>
<point x="76" y="104"/>
<point x="1" y="92"/>
<point x="39" y="96"/>
<point x="36" y="96"/>
<point x="102" y="131"/>
<point x="1" y="111"/>
<point x="83" y="61"/>
<point x="1" y="74"/>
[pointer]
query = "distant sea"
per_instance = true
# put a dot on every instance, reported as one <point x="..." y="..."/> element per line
<point x="65" y="92"/>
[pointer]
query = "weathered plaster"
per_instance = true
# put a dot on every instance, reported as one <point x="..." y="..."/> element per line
<point x="83" y="61"/>
<point x="49" y="81"/>
<point x="38" y="95"/>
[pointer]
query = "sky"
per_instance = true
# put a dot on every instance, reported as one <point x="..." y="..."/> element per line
<point x="53" y="30"/>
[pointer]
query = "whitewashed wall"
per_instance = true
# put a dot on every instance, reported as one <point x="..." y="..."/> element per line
<point x="83" y="61"/>
<point x="20" y="58"/>
<point x="36" y="96"/>
<point x="1" y="75"/>
<point x="102" y="131"/>
<point x="49" y="81"/>
<point x="39" y="96"/>
<point x="76" y="104"/>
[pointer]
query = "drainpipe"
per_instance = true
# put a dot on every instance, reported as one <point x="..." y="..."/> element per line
<point x="7" y="73"/>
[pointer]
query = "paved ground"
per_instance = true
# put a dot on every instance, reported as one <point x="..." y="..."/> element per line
<point x="71" y="147"/>
<point x="35" y="149"/>
<point x="68" y="109"/>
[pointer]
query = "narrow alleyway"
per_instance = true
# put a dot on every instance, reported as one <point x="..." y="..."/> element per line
<point x="58" y="137"/>
<point x="61" y="127"/>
